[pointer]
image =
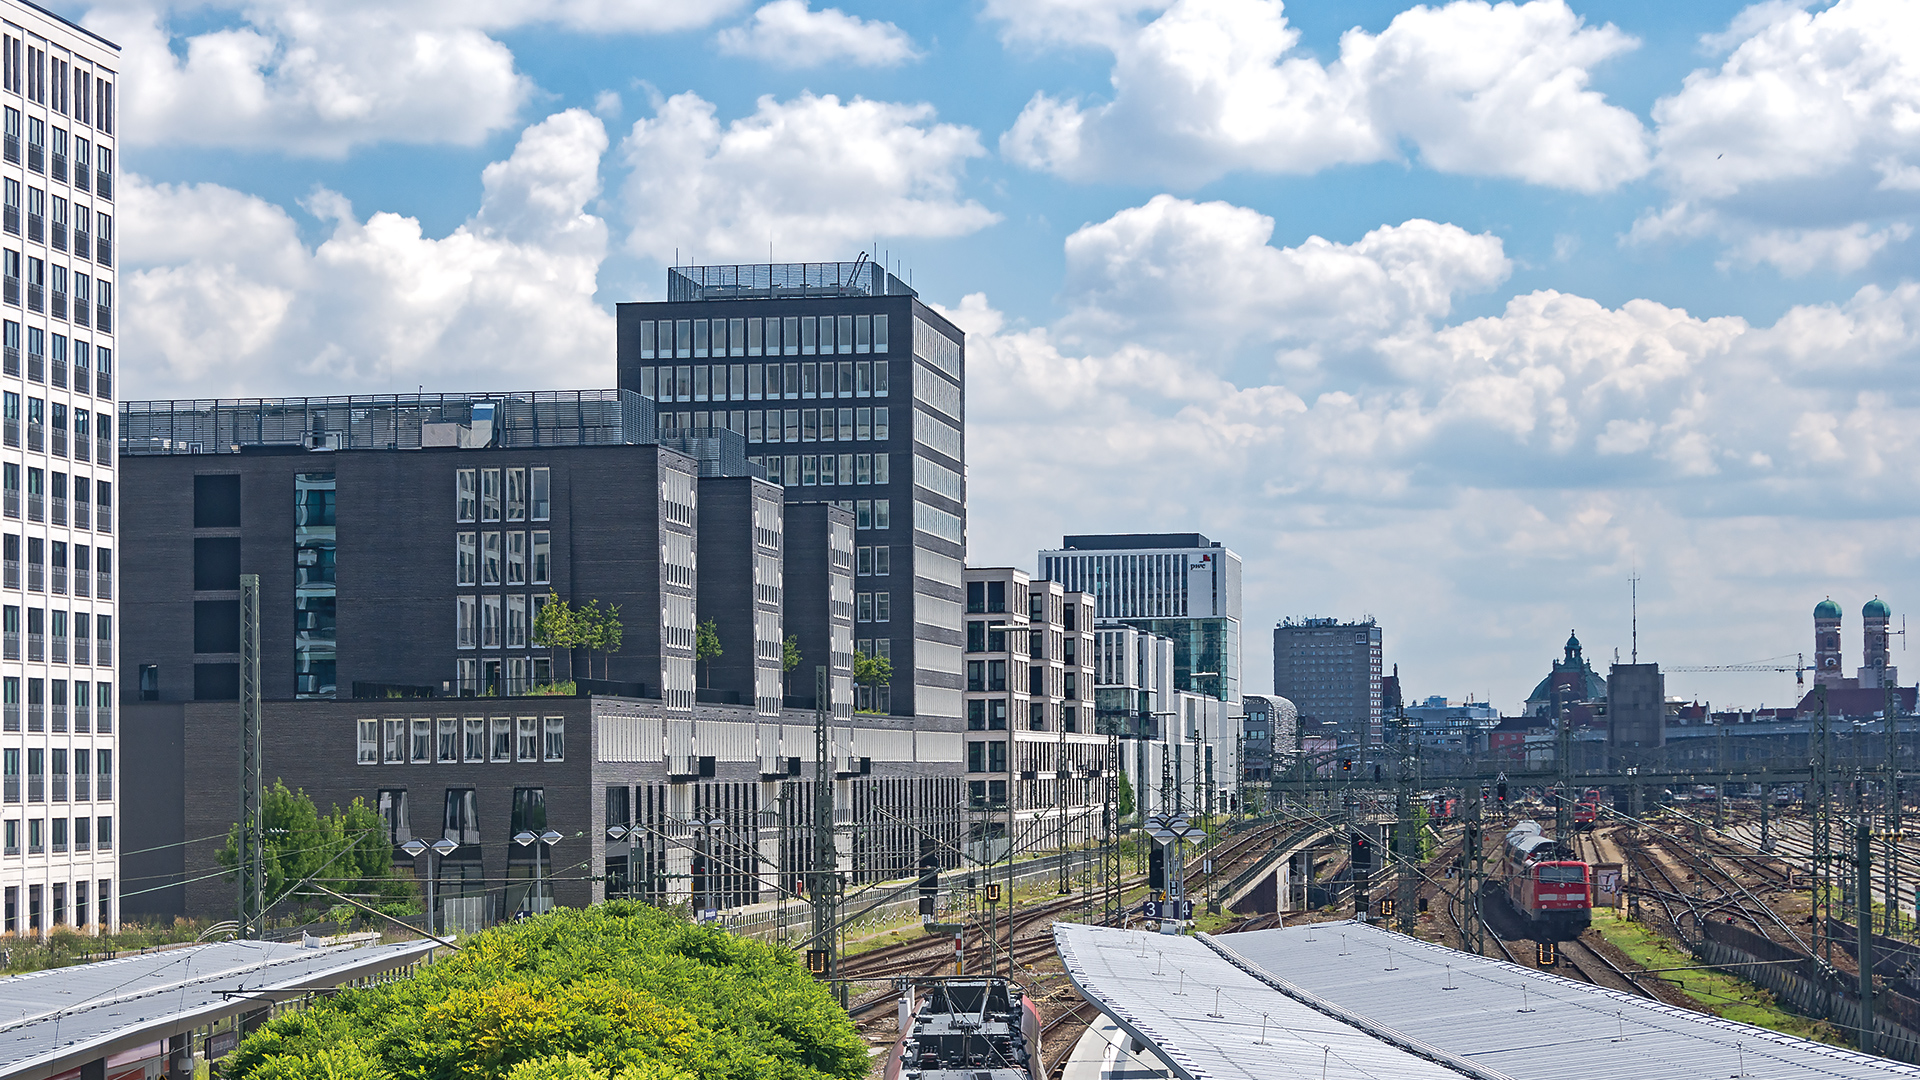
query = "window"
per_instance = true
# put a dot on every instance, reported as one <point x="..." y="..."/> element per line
<point x="996" y="675"/>
<point x="529" y="728"/>
<point x="395" y="752"/>
<point x="1037" y="716"/>
<point x="997" y="756"/>
<point x="516" y="494"/>
<point x="466" y="558"/>
<point x="863" y="607"/>
<point x="466" y="497"/>
<point x="448" y="731"/>
<point x="502" y="729"/>
<point x="489" y="494"/>
<point x="882" y="606"/>
<point x="976" y="637"/>
<point x="422" y="741"/>
<point x="882" y="515"/>
<point x="542" y="558"/>
<point x="516" y="623"/>
<point x="490" y="622"/>
<point x="1070" y="689"/>
<point x="467" y="624"/>
<point x="863" y="562"/>
<point x="391" y="804"/>
<point x="542" y="489"/>
<point x="369" y="742"/>
<point x="490" y="558"/>
<point x="977" y="675"/>
<point x="556" y="747"/>
<point x="476" y="738"/>
<point x="103" y="839"/>
<point x="516" y="558"/>
<point x="882" y="561"/>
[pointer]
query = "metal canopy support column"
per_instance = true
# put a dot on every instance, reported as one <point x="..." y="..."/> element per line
<point x="252" y="862"/>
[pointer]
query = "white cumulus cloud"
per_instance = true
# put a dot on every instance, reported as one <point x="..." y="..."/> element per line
<point x="1213" y="86"/>
<point x="787" y="33"/>
<point x="321" y="78"/>
<point x="814" y="176"/>
<point x="223" y="297"/>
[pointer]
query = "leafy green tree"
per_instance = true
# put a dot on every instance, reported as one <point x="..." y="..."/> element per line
<point x="555" y="628"/>
<point x="871" y="672"/>
<point x="619" y="991"/>
<point x="706" y="646"/>
<point x="1126" y="797"/>
<point x="347" y="850"/>
<point x="789" y="659"/>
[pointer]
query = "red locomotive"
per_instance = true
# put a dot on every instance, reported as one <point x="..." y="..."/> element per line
<point x="1548" y="885"/>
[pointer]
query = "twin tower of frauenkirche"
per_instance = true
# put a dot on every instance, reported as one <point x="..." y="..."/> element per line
<point x="1876" y="669"/>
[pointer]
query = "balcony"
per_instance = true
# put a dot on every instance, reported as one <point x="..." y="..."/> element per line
<point x="10" y="220"/>
<point x="58" y="306"/>
<point x="103" y="388"/>
<point x="59" y="787"/>
<point x="13" y="361"/>
<point x="36" y="787"/>
<point x="82" y="783"/>
<point x="59" y="653"/>
<point x="12" y="790"/>
<point x="36" y="577"/>
<point x="59" y="715"/>
<point x="103" y="184"/>
<point x="105" y="783"/>
<point x="36" y="433"/>
<point x="105" y="580"/>
<point x="82" y="244"/>
<point x="103" y="254"/>
<point x="102" y="318"/>
<point x="80" y="574"/>
<point x="59" y="434"/>
<point x="81" y="722"/>
<point x="36" y="506"/>
<point x="57" y="236"/>
<point x="36" y="301"/>
<point x="59" y="169"/>
<point x="105" y="524"/>
<point x="13" y="426"/>
<point x="37" y="653"/>
<point x="13" y="502"/>
<point x="59" y="572"/>
<point x="11" y="292"/>
<point x="80" y="175"/>
<point x="82" y="519"/>
<point x="36" y="228"/>
<point x="59" y="511"/>
<point x="13" y="149"/>
<point x="36" y="157"/>
<point x="82" y="446"/>
<point x="12" y="646"/>
<point x="13" y="581"/>
<point x="36" y="367"/>
<point x="104" y="725"/>
<point x="11" y="713"/>
<point x="105" y="659"/>
<point x="82" y="654"/>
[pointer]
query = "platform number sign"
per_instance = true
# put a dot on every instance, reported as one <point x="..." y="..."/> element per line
<point x="1386" y="908"/>
<point x="1546" y="953"/>
<point x="817" y="961"/>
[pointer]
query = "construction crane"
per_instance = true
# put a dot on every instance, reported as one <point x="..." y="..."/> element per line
<point x="1798" y="667"/>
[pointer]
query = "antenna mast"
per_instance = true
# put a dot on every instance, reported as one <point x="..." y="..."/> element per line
<point x="1634" y="581"/>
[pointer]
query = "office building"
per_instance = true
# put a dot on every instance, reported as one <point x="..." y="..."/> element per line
<point x="405" y="547"/>
<point x="877" y="429"/>
<point x="1330" y="670"/>
<point x="1180" y="586"/>
<point x="1035" y="763"/>
<point x="1269" y="727"/>
<point x="59" y="743"/>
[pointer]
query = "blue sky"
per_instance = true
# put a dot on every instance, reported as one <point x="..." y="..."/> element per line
<point x="1453" y="316"/>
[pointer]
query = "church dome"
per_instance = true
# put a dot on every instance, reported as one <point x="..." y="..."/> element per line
<point x="1876" y="609"/>
<point x="1826" y="609"/>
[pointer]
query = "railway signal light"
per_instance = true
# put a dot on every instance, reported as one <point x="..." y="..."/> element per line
<point x="1546" y="953"/>
<point x="817" y="961"/>
<point x="1346" y="764"/>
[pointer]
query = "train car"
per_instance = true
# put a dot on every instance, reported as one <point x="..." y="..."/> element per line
<point x="1546" y="883"/>
<point x="967" y="1029"/>
<point x="1584" y="813"/>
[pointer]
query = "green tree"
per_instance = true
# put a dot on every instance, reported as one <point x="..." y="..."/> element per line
<point x="619" y="991"/>
<point x="347" y="850"/>
<point x="871" y="672"/>
<point x="555" y="628"/>
<point x="607" y="634"/>
<point x="1126" y="797"/>
<point x="789" y="659"/>
<point x="706" y="646"/>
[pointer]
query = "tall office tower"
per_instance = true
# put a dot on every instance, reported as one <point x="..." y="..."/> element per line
<point x="1330" y="670"/>
<point x="848" y="390"/>
<point x="1178" y="585"/>
<point x="59" y="865"/>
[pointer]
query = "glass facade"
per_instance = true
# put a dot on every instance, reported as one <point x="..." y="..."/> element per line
<point x="313" y="603"/>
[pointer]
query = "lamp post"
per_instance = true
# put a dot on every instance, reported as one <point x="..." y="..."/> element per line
<point x="441" y="848"/>
<point x="525" y="839"/>
<point x="616" y="833"/>
<point x="1170" y="830"/>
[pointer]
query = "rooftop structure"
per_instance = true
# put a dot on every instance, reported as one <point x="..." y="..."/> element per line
<point x="783" y="281"/>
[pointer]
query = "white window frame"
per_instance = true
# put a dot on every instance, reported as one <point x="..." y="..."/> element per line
<point x="490" y="494"/>
<point x="517" y="621"/>
<point x="491" y="558"/>
<point x="540" y="493"/>
<point x="395" y="751"/>
<point x="527" y="738"/>
<point x="540" y="557"/>
<point x="498" y="726"/>
<point x="466" y="622"/>
<point x="421" y="742"/>
<point x="516" y="557"/>
<point x="448" y="739"/>
<point x="516" y="494"/>
<point x="554" y="745"/>
<point x="466" y="559"/>
<point x="475" y="739"/>
<point x="466" y="496"/>
<point x="369" y="742"/>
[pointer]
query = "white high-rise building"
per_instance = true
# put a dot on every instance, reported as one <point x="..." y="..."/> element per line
<point x="59" y="864"/>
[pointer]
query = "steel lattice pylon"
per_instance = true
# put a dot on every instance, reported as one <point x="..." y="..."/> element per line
<point x="251" y="906"/>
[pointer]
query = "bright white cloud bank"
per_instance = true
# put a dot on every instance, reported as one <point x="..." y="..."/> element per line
<point x="786" y="33"/>
<point x="225" y="299"/>
<point x="1211" y="86"/>
<point x="1436" y="467"/>
<point x="319" y="78"/>
<point x="810" y="176"/>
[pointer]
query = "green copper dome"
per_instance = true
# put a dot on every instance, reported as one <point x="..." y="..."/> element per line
<point x="1826" y="609"/>
<point x="1876" y="609"/>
